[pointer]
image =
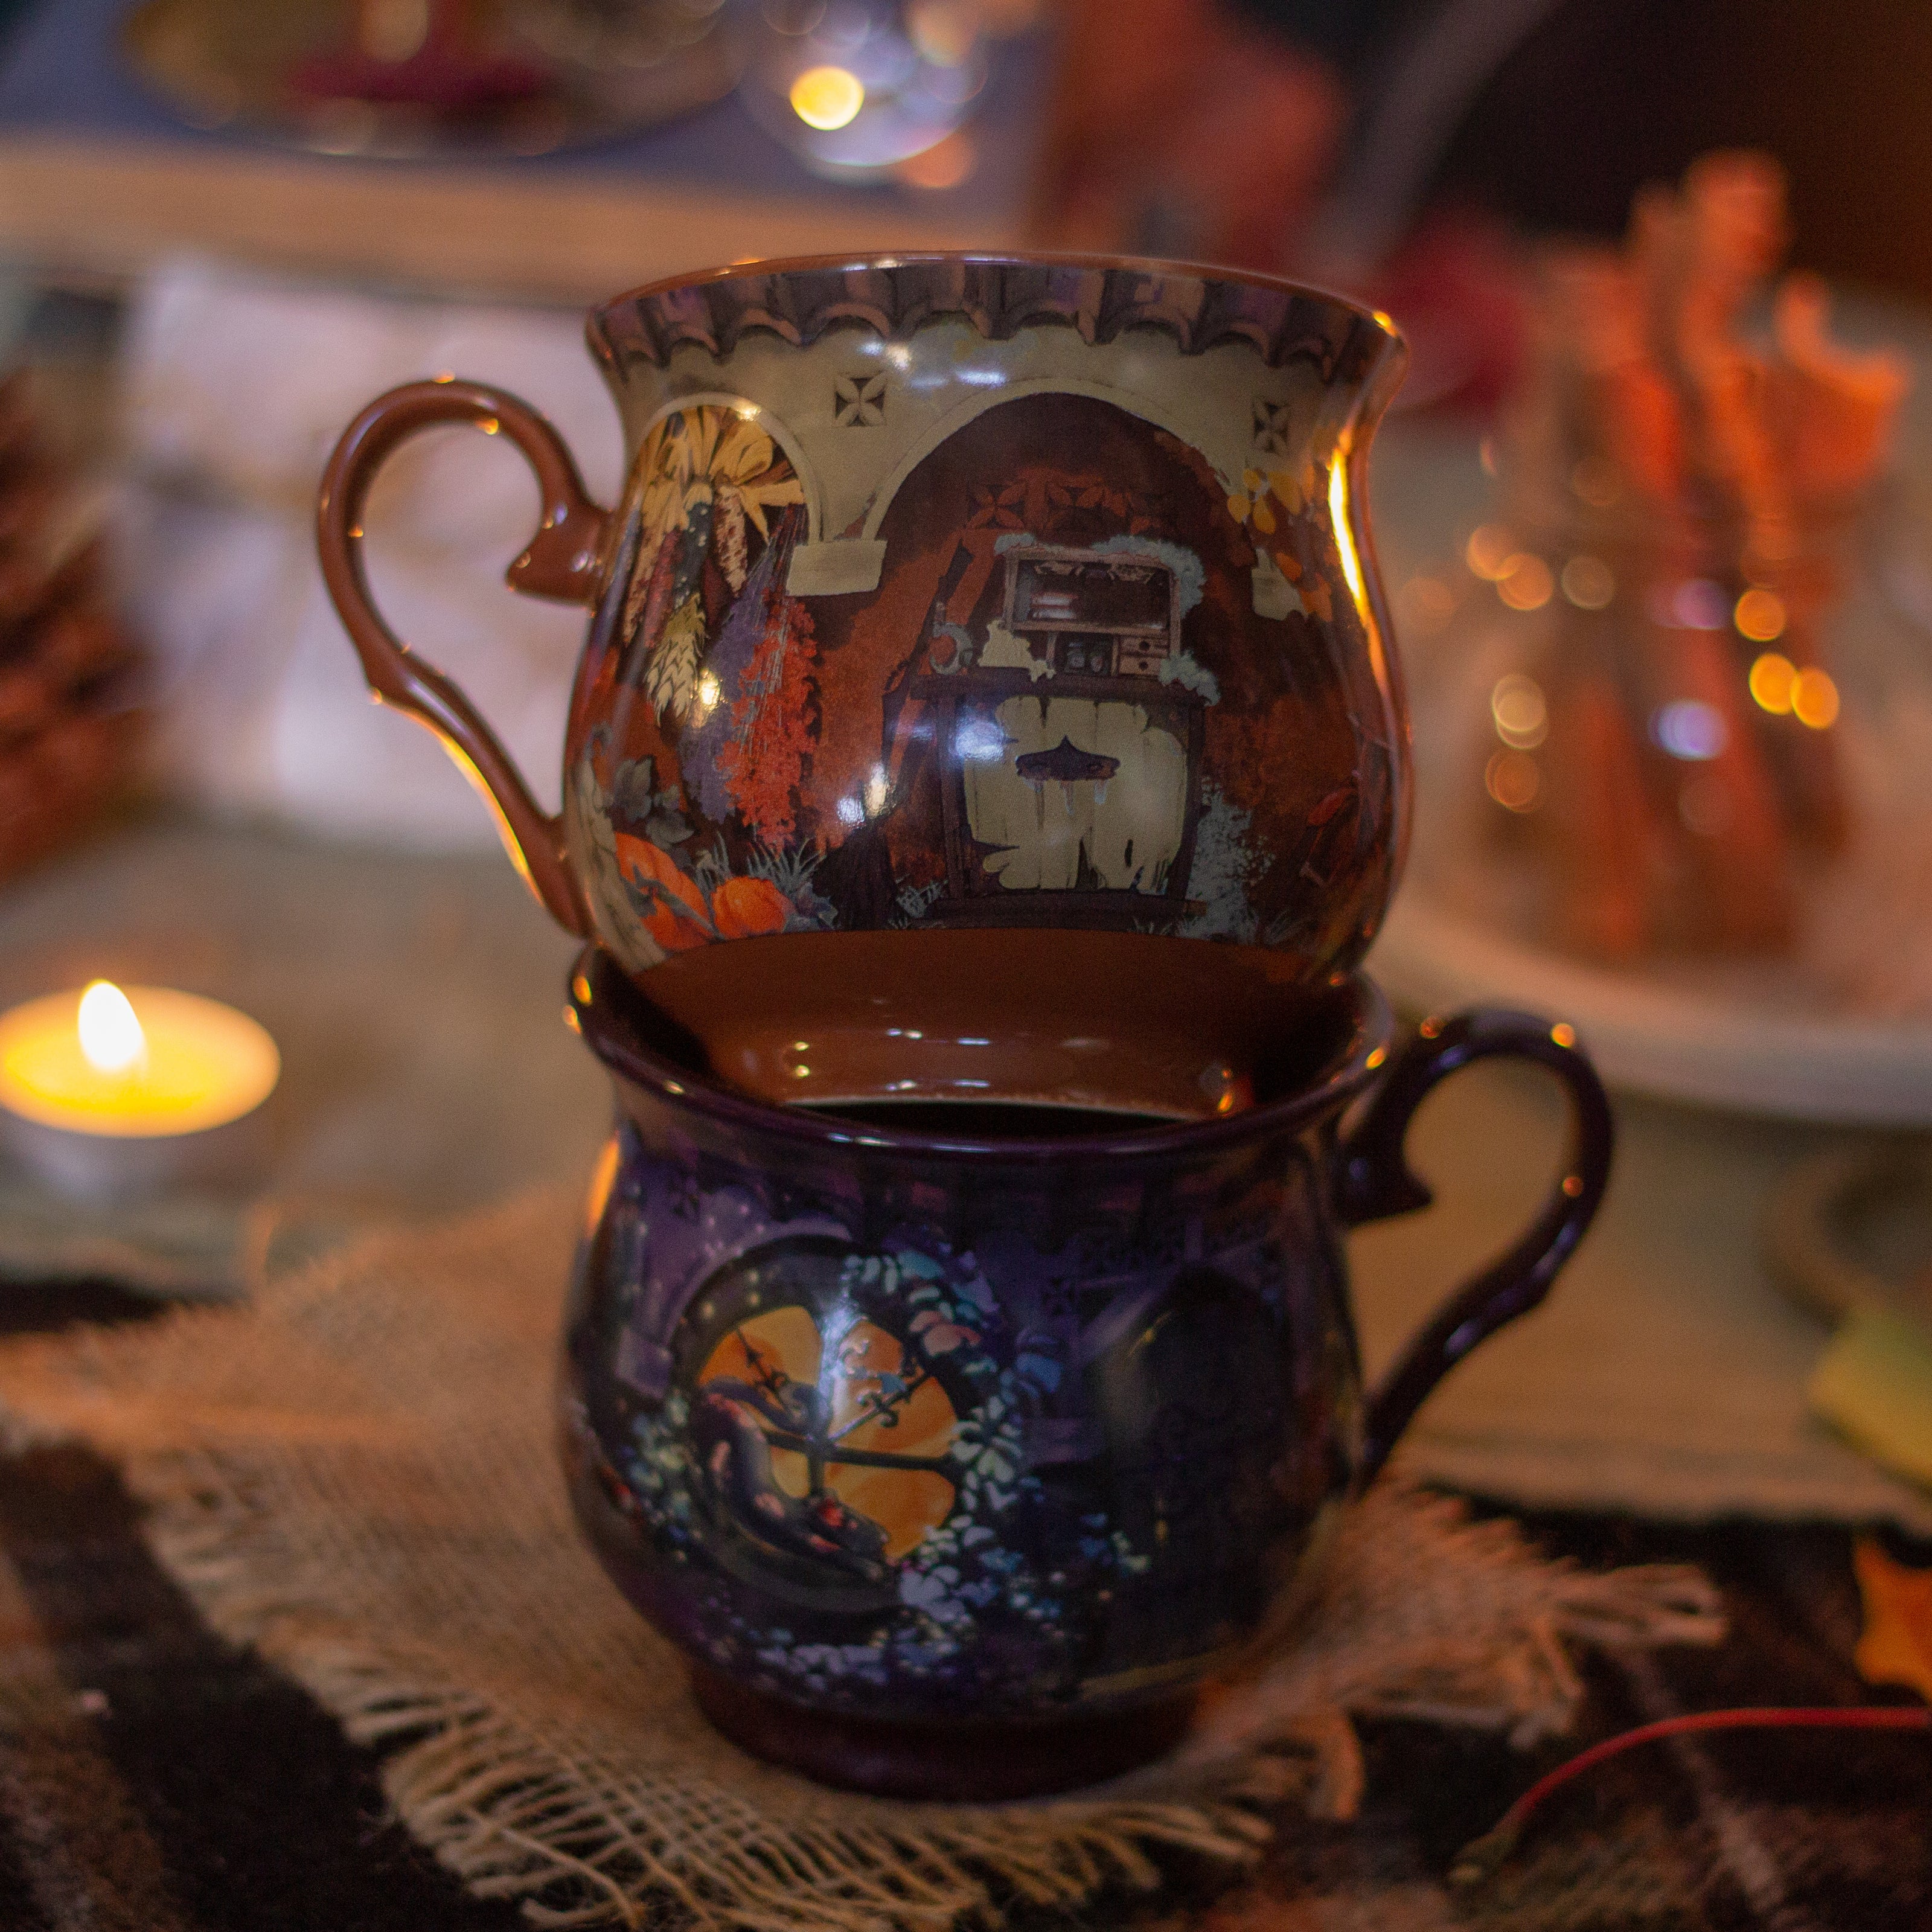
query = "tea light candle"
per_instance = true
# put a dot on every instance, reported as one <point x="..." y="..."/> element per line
<point x="106" y="1092"/>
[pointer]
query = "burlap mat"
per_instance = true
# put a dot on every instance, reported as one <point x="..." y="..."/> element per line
<point x="355" y="1475"/>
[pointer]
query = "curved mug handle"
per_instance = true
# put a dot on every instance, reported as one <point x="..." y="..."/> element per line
<point x="561" y="562"/>
<point x="1373" y="1180"/>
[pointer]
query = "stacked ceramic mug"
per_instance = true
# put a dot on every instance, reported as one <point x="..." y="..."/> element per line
<point x="986" y="770"/>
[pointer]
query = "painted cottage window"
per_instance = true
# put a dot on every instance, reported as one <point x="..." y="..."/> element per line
<point x="1077" y="751"/>
<point x="1107" y="616"/>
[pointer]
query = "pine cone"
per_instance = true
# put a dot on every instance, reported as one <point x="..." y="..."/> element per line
<point x="70" y="719"/>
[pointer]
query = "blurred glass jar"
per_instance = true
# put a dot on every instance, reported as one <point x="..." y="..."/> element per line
<point x="856" y="88"/>
<point x="1638" y="742"/>
<point x="1672" y="737"/>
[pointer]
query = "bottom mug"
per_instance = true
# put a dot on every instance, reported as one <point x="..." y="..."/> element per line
<point x="955" y="1447"/>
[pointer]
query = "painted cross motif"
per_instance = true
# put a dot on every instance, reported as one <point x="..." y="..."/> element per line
<point x="859" y="401"/>
<point x="1271" y="426"/>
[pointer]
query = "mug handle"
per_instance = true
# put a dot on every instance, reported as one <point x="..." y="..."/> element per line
<point x="1373" y="1180"/>
<point x="562" y="561"/>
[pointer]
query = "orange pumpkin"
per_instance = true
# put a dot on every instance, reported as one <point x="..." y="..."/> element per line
<point x="678" y="919"/>
<point x="743" y="908"/>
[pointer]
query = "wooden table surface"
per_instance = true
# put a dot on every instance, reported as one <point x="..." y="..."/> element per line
<point x="73" y="206"/>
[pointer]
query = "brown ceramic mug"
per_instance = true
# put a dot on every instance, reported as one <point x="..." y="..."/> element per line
<point x="989" y="649"/>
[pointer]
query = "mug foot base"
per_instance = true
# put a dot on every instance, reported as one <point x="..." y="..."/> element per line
<point x="966" y="1762"/>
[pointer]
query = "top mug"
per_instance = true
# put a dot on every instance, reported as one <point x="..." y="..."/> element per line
<point x="976" y="630"/>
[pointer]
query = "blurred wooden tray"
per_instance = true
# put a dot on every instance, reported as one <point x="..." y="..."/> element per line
<point x="1850" y="1233"/>
<point x="1652" y="1036"/>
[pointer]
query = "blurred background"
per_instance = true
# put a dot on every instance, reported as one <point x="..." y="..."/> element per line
<point x="223" y="226"/>
<point x="1654" y="511"/>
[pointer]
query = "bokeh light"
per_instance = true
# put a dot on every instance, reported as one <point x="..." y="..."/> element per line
<point x="1814" y="698"/>
<point x="1489" y="550"/>
<point x="1688" y="728"/>
<point x="1522" y="715"/>
<point x="1588" y="582"/>
<point x="1771" y="677"/>
<point x="1425" y="605"/>
<point x="1524" y="583"/>
<point x="1759" y="615"/>
<point x="1512" y="779"/>
<point x="825" y="98"/>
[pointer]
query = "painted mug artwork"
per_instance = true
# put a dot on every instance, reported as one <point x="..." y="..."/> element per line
<point x="949" y="593"/>
<point x="1024" y="1422"/>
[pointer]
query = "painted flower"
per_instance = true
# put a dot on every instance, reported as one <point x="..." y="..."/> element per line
<point x="933" y="1593"/>
<point x="938" y="1337"/>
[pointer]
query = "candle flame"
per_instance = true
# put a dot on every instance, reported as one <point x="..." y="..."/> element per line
<point x="111" y="1039"/>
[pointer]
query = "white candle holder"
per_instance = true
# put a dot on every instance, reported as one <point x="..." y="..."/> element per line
<point x="179" y="1101"/>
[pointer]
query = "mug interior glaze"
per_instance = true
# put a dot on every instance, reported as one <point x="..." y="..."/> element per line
<point x="955" y="1445"/>
<point x="953" y="601"/>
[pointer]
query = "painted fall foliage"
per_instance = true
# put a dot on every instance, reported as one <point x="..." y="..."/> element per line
<point x="707" y="476"/>
<point x="772" y="723"/>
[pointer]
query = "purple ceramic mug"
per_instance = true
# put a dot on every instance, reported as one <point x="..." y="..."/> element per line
<point x="955" y="1446"/>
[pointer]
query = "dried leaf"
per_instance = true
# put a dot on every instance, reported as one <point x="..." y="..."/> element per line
<point x="1896" y="1647"/>
<point x="745" y="455"/>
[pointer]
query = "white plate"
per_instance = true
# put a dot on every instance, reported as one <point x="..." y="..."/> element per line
<point x="1653" y="1037"/>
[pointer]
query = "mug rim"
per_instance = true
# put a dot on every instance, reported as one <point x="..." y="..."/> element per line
<point x="600" y="991"/>
<point x="886" y="259"/>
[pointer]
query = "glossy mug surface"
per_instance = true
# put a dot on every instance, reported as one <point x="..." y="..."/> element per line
<point x="935" y="1427"/>
<point x="950" y="595"/>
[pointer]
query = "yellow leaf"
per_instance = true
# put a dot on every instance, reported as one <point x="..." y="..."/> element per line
<point x="1897" y="1646"/>
<point x="747" y="454"/>
<point x="704" y="427"/>
<point x="758" y="497"/>
<point x="1873" y="1383"/>
<point x="1264" y="518"/>
<point x="1294" y="488"/>
<point x="1252" y="481"/>
<point x="1238" y="508"/>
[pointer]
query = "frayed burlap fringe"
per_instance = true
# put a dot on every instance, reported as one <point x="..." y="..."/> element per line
<point x="356" y="1476"/>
